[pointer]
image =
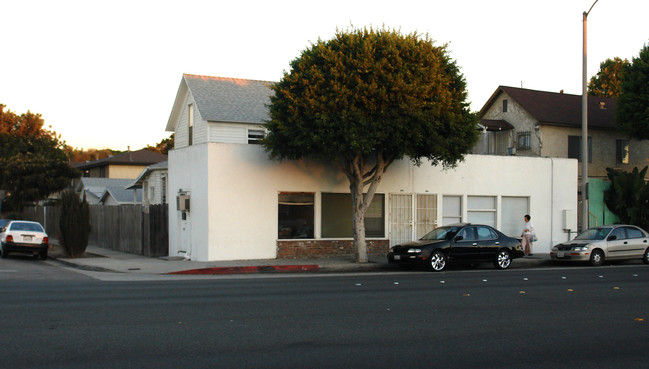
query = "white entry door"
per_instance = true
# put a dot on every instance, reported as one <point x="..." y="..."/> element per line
<point x="404" y="210"/>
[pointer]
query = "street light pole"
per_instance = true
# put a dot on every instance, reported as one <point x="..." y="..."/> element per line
<point x="584" y="132"/>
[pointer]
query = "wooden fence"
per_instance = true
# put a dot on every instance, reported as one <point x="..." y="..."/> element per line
<point x="124" y="228"/>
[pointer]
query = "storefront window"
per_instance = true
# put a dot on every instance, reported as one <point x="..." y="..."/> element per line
<point x="337" y="216"/>
<point x="295" y="217"/>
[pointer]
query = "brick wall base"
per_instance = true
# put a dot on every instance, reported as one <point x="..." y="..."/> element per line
<point x="304" y="249"/>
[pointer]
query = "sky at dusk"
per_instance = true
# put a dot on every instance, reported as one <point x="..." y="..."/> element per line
<point x="105" y="74"/>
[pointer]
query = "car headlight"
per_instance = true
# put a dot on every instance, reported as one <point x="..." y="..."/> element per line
<point x="414" y="251"/>
<point x="580" y="248"/>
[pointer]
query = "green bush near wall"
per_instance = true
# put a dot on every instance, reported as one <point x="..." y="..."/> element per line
<point x="74" y="223"/>
<point x="628" y="196"/>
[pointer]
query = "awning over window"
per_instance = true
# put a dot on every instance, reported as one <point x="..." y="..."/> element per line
<point x="496" y="125"/>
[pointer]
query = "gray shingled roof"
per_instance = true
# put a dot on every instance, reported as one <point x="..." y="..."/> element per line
<point x="233" y="100"/>
<point x="122" y="196"/>
<point x="97" y="186"/>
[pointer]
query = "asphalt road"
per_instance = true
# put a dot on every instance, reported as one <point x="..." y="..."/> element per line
<point x="568" y="317"/>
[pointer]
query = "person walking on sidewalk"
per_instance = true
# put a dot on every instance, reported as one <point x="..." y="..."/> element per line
<point x="528" y="235"/>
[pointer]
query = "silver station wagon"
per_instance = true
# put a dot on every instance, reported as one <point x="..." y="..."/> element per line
<point x="611" y="242"/>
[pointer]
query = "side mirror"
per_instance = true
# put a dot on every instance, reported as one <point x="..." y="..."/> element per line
<point x="458" y="238"/>
<point x="611" y="238"/>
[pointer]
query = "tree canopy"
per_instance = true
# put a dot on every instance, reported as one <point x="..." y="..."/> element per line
<point x="606" y="83"/>
<point x="163" y="146"/>
<point x="366" y="98"/>
<point x="632" y="113"/>
<point x="33" y="160"/>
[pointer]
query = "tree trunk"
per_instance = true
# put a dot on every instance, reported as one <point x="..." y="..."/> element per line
<point x="358" y="214"/>
<point x="360" y="177"/>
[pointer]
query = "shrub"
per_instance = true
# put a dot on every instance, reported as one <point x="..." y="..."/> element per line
<point x="74" y="223"/>
<point x="628" y="197"/>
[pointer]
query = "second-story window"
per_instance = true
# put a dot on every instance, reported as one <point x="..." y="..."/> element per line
<point x="524" y="140"/>
<point x="622" y="151"/>
<point x="505" y="106"/>
<point x="190" y="125"/>
<point x="574" y="148"/>
<point x="255" y="136"/>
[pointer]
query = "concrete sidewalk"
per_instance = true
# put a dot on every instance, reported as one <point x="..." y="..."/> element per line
<point x="104" y="260"/>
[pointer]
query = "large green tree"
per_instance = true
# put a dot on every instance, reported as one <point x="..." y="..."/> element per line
<point x="366" y="98"/>
<point x="33" y="160"/>
<point x="607" y="82"/>
<point x="632" y="113"/>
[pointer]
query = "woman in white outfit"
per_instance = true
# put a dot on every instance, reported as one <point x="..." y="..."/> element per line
<point x="528" y="233"/>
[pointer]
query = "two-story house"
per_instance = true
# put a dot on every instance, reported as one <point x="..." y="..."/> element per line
<point x="125" y="165"/>
<point x="525" y="122"/>
<point x="229" y="201"/>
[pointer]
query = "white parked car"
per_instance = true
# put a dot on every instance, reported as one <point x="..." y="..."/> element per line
<point x="23" y="236"/>
<point x="611" y="242"/>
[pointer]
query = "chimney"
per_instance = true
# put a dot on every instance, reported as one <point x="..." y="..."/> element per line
<point x="130" y="155"/>
<point x="561" y="91"/>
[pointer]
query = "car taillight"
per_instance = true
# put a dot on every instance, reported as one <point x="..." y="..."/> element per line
<point x="10" y="238"/>
<point x="45" y="240"/>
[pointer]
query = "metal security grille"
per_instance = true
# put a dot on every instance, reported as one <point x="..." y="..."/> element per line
<point x="400" y="219"/>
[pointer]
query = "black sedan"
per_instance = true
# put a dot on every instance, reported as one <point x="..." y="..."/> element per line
<point x="461" y="243"/>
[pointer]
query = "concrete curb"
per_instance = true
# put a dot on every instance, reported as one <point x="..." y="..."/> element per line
<point x="81" y="266"/>
<point x="250" y="270"/>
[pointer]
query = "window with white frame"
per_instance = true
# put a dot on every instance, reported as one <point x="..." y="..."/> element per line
<point x="255" y="136"/>
<point x="295" y="215"/>
<point x="451" y="209"/>
<point x="190" y="125"/>
<point x="481" y="210"/>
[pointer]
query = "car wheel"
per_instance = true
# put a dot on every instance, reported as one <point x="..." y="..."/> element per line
<point x="437" y="261"/>
<point x="43" y="255"/>
<point x="3" y="252"/>
<point x="503" y="259"/>
<point x="597" y="258"/>
<point x="645" y="257"/>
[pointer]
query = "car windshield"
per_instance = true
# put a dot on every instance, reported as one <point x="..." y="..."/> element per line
<point x="594" y="234"/>
<point x="24" y="226"/>
<point x="441" y="233"/>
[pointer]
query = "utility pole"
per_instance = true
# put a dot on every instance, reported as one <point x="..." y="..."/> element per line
<point x="584" y="131"/>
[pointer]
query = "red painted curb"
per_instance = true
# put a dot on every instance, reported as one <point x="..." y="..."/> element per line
<point x="251" y="269"/>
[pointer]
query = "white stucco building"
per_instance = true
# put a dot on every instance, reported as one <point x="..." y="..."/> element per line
<point x="233" y="203"/>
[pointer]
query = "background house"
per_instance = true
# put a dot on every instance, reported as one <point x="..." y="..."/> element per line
<point x="153" y="183"/>
<point x="96" y="188"/>
<point x="126" y="165"/>
<point x="232" y="202"/>
<point x="538" y="123"/>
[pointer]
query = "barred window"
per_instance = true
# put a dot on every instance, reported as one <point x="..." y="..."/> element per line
<point x="524" y="140"/>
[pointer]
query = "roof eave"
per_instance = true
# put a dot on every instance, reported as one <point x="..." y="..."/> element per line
<point x="176" y="110"/>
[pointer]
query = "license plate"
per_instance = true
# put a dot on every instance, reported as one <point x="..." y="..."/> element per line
<point x="397" y="257"/>
<point x="561" y="254"/>
<point x="28" y="238"/>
